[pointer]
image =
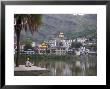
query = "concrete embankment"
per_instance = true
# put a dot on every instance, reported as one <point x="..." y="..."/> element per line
<point x="29" y="71"/>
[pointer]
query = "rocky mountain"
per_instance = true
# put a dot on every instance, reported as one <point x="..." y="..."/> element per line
<point x="71" y="25"/>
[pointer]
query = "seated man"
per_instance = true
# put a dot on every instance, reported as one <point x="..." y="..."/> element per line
<point x="28" y="63"/>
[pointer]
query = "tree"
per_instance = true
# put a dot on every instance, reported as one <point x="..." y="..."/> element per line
<point x="60" y="44"/>
<point x="76" y="45"/>
<point x="23" y="22"/>
<point x="27" y="41"/>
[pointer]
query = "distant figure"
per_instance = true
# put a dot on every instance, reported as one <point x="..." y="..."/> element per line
<point x="28" y="63"/>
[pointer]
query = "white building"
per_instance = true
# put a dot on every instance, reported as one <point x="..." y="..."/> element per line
<point x="52" y="43"/>
<point x="33" y="44"/>
<point x="81" y="40"/>
<point x="66" y="43"/>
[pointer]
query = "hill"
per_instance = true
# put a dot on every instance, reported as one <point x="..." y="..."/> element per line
<point x="71" y="25"/>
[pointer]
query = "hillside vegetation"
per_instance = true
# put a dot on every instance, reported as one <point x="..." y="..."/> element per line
<point x="71" y="25"/>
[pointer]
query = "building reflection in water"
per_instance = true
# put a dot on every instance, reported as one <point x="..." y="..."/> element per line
<point x="82" y="67"/>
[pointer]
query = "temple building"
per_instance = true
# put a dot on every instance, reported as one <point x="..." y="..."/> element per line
<point x="59" y="45"/>
<point x="42" y="48"/>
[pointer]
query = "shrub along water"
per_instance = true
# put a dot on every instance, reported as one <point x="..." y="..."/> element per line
<point x="45" y="57"/>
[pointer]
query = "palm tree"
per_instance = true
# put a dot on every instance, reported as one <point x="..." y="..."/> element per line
<point x="24" y="22"/>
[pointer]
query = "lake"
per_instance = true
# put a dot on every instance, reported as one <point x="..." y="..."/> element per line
<point x="84" y="65"/>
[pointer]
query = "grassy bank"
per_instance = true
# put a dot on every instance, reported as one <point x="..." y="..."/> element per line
<point x="44" y="57"/>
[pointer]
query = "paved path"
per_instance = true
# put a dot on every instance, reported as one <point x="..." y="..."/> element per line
<point x="32" y="68"/>
<point x="30" y="71"/>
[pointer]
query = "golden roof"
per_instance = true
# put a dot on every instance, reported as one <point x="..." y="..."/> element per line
<point x="43" y="45"/>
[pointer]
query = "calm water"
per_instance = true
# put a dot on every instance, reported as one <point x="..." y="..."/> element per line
<point x="85" y="65"/>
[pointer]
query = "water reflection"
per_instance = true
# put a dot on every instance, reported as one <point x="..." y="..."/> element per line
<point x="84" y="65"/>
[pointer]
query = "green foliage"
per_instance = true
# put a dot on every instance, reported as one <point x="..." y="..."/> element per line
<point x="86" y="33"/>
<point x="72" y="26"/>
<point x="37" y="18"/>
<point x="28" y="41"/>
<point x="33" y="21"/>
<point x="60" y="44"/>
<point x="76" y="45"/>
<point x="22" y="22"/>
<point x="92" y="47"/>
<point x="44" y="57"/>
